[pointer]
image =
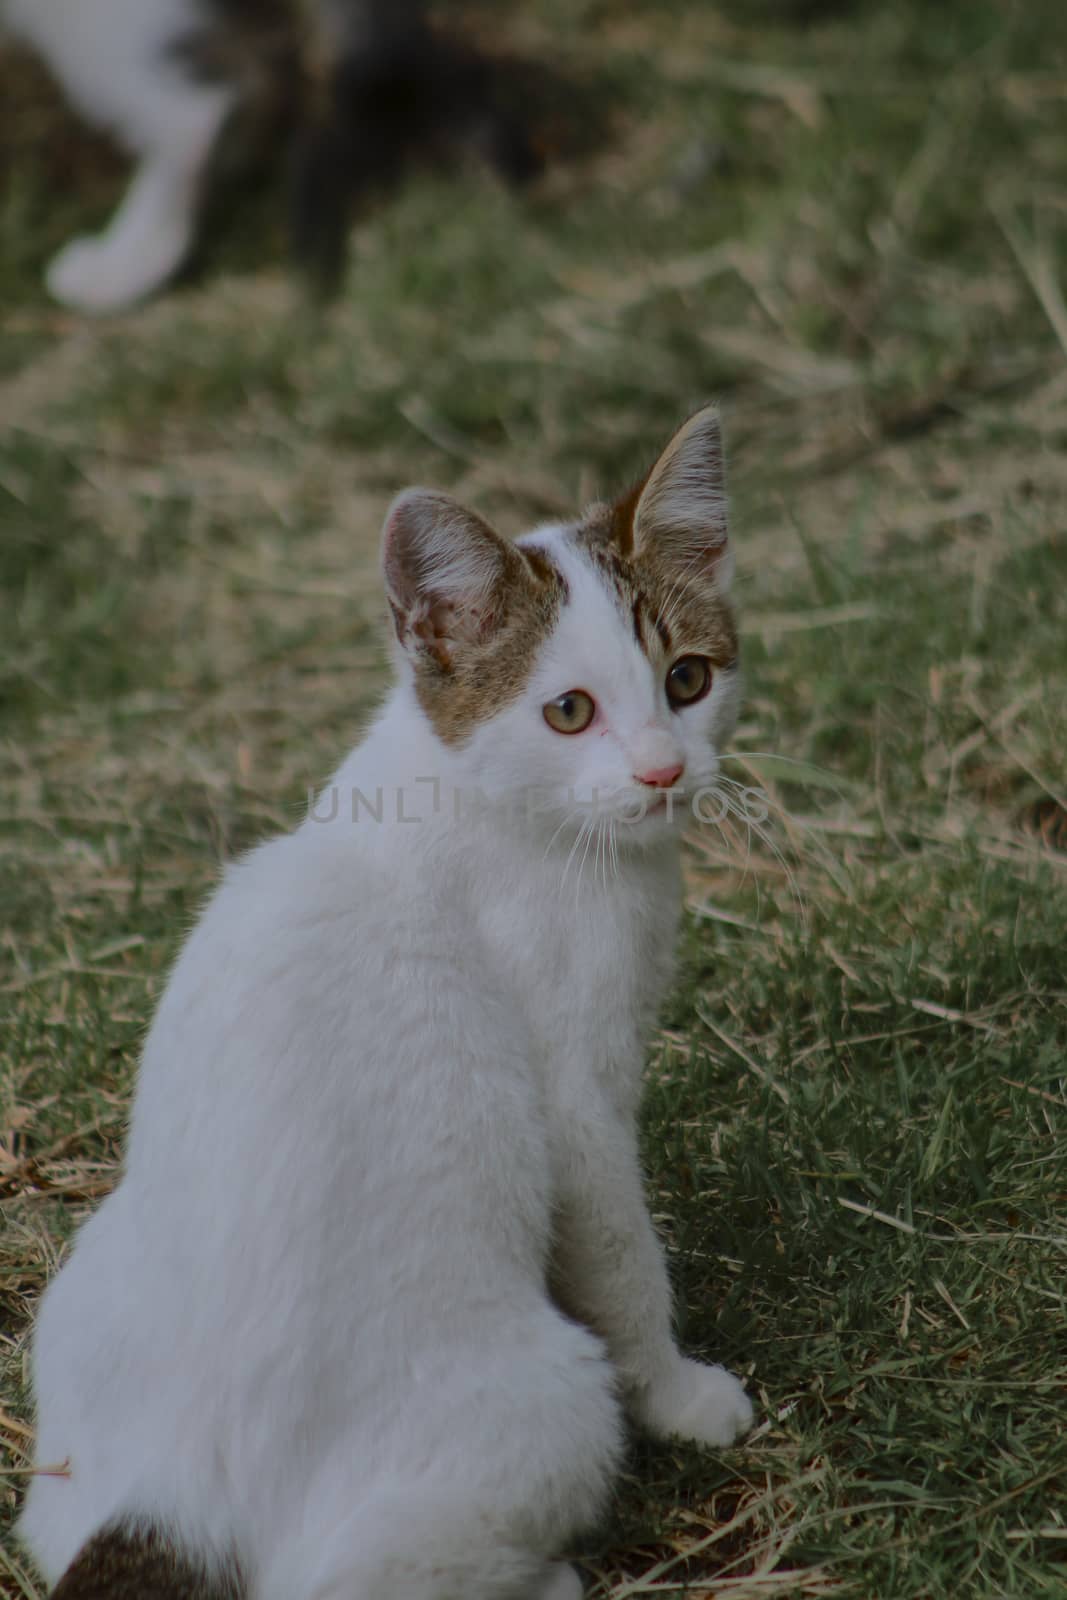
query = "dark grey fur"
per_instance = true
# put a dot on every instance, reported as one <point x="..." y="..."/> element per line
<point x="363" y="89"/>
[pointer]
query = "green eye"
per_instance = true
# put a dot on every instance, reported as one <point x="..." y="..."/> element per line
<point x="688" y="680"/>
<point x="571" y="712"/>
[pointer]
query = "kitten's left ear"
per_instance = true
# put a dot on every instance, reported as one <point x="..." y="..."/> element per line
<point x="680" y="515"/>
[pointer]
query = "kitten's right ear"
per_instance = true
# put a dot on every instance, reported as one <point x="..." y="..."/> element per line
<point x="680" y="514"/>
<point x="446" y="574"/>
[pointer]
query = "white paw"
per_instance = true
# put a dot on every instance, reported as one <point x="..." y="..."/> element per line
<point x="99" y="275"/>
<point x="560" y="1583"/>
<point x="705" y="1404"/>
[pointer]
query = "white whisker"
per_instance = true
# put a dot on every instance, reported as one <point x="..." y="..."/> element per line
<point x="730" y="792"/>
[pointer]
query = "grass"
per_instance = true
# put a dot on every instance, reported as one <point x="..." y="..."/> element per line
<point x="849" y="226"/>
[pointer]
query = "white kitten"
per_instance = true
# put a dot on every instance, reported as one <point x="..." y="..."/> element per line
<point x="318" y="1343"/>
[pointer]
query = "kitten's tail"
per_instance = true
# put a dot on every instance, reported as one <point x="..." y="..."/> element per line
<point x="390" y="86"/>
<point x="135" y="1561"/>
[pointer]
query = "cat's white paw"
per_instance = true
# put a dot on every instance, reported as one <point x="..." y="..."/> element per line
<point x="100" y="275"/>
<point x="694" y="1401"/>
<point x="560" y="1583"/>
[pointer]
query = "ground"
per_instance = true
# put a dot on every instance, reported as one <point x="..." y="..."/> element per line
<point x="846" y="223"/>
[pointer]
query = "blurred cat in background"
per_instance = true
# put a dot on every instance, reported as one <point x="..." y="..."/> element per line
<point x="367" y="85"/>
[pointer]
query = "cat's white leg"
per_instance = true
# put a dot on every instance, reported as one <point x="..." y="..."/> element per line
<point x="152" y="231"/>
<point x="426" y="1541"/>
<point x="561" y="1582"/>
<point x="500" y="1461"/>
<point x="609" y="1271"/>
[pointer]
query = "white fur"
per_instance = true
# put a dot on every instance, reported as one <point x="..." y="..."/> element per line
<point x="112" y="58"/>
<point x="388" y="1096"/>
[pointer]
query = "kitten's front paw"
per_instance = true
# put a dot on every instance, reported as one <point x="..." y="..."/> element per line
<point x="102" y="274"/>
<point x="706" y="1404"/>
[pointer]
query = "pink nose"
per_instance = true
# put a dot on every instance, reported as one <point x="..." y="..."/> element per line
<point x="661" y="777"/>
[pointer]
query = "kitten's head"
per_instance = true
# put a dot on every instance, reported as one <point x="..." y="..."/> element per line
<point x="588" y="670"/>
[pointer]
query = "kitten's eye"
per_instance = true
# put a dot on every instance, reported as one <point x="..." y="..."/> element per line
<point x="688" y="680"/>
<point x="571" y="712"/>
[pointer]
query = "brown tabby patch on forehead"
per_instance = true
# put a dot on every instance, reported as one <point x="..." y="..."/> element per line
<point x="674" y="612"/>
<point x="463" y="687"/>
